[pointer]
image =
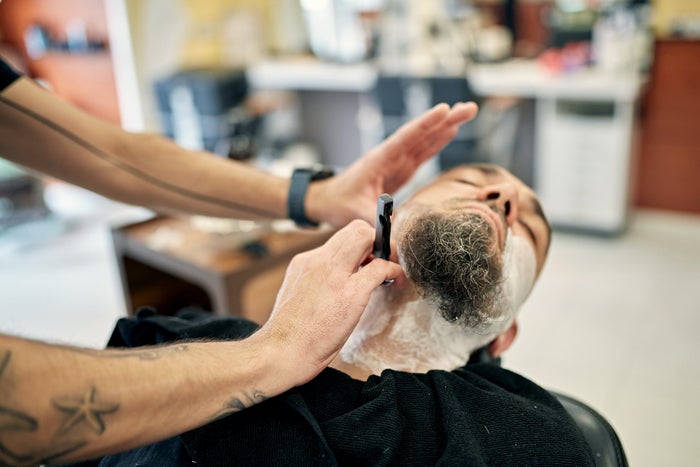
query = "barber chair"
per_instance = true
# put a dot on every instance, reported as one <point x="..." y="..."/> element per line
<point x="600" y="435"/>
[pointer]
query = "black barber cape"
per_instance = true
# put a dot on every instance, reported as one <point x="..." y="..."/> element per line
<point x="475" y="416"/>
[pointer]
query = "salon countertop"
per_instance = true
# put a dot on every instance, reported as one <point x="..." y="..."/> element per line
<point x="517" y="77"/>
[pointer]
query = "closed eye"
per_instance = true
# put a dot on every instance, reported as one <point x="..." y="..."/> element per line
<point x="529" y="231"/>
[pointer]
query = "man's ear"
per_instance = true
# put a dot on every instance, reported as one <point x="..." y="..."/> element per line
<point x="503" y="341"/>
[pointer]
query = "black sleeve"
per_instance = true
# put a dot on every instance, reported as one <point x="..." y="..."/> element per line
<point x="7" y="75"/>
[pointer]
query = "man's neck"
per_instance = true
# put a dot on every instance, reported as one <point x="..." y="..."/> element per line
<point x="354" y="371"/>
<point x="402" y="331"/>
<point x="383" y="307"/>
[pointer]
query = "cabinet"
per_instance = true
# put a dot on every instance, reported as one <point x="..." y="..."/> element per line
<point x="584" y="150"/>
<point x="584" y="162"/>
<point x="168" y="264"/>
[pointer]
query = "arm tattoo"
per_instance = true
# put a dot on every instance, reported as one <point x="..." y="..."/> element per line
<point x="133" y="170"/>
<point x="4" y="360"/>
<point x="236" y="404"/>
<point x="85" y="408"/>
<point x="153" y="353"/>
<point x="62" y="449"/>
<point x="13" y="421"/>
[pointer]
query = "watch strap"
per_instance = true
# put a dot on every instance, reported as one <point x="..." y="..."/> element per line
<point x="298" y="186"/>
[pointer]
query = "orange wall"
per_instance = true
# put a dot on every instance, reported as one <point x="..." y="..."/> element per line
<point x="669" y="163"/>
<point x="87" y="80"/>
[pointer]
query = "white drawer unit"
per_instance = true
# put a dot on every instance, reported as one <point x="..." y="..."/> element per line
<point x="583" y="160"/>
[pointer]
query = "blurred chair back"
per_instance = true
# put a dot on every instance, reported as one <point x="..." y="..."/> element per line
<point x="600" y="435"/>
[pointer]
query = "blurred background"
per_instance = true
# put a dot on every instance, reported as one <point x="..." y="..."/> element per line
<point x="592" y="102"/>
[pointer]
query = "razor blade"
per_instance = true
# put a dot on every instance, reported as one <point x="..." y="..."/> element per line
<point x="382" y="246"/>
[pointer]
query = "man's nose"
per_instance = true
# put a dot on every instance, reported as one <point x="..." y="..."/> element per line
<point x="505" y="197"/>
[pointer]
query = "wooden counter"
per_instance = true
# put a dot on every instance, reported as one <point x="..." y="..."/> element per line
<point x="167" y="263"/>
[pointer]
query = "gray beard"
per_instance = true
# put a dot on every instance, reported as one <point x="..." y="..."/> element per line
<point x="452" y="259"/>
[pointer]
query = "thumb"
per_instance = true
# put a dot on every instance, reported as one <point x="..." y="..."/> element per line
<point x="376" y="272"/>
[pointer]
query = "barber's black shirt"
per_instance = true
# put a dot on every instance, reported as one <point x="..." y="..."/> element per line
<point x="7" y="75"/>
<point x="478" y="415"/>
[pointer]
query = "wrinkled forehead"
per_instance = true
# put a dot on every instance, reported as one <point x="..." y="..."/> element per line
<point x="483" y="175"/>
<point x="487" y="172"/>
<point x="476" y="174"/>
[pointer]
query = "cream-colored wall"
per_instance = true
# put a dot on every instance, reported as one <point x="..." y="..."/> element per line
<point x="665" y="11"/>
<point x="167" y="35"/>
<point x="157" y="29"/>
<point x="225" y="32"/>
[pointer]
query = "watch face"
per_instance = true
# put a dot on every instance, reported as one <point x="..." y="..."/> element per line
<point x="321" y="174"/>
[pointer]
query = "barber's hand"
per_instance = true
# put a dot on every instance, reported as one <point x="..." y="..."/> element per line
<point x="323" y="295"/>
<point x="353" y="193"/>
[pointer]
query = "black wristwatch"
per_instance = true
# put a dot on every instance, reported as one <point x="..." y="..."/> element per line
<point x="297" y="193"/>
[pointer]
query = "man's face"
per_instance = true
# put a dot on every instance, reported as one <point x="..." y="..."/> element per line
<point x="473" y="242"/>
<point x="497" y="197"/>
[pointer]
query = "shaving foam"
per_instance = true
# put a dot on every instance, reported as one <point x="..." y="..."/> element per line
<point x="413" y="336"/>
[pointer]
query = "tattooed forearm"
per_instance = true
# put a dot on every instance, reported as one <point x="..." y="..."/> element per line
<point x="8" y="457"/>
<point x="144" y="176"/>
<point x="4" y="360"/>
<point x="58" y="451"/>
<point x="47" y="454"/>
<point x="11" y="421"/>
<point x="15" y="421"/>
<point x="236" y="404"/>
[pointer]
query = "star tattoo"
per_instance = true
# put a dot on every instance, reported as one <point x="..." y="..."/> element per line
<point x="84" y="409"/>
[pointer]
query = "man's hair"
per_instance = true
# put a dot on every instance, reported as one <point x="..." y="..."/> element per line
<point x="452" y="259"/>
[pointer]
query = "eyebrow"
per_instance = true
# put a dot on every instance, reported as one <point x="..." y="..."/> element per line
<point x="486" y="170"/>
